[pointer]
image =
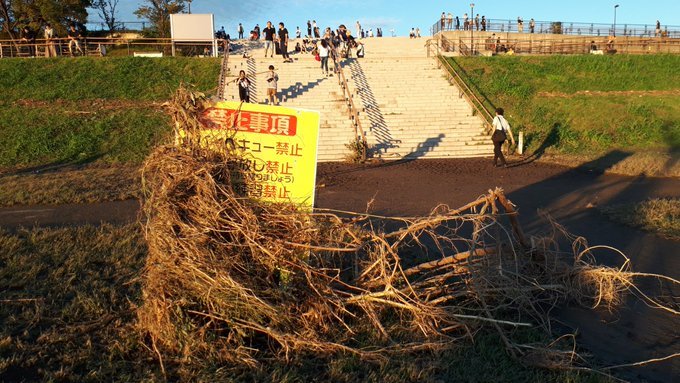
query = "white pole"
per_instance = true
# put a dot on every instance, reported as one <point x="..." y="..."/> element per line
<point x="520" y="143"/>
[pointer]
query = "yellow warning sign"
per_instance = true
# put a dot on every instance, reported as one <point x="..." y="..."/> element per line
<point x="278" y="148"/>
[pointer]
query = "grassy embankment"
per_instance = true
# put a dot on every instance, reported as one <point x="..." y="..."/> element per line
<point x="67" y="314"/>
<point x="93" y="119"/>
<point x="660" y="216"/>
<point x="579" y="108"/>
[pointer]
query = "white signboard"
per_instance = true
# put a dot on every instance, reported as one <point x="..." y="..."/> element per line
<point x="193" y="27"/>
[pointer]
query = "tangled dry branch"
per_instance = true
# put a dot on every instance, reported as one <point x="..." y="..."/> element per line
<point x="235" y="280"/>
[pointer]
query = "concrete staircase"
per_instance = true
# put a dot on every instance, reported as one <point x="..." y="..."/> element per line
<point x="301" y="85"/>
<point x="408" y="108"/>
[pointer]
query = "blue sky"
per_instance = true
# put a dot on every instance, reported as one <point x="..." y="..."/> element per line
<point x="404" y="14"/>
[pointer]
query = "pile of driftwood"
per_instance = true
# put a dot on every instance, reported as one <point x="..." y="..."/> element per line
<point x="235" y="280"/>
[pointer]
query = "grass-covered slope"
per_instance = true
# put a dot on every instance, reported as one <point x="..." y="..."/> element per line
<point x="88" y="109"/>
<point x="128" y="78"/>
<point x="82" y="116"/>
<point x="584" y="104"/>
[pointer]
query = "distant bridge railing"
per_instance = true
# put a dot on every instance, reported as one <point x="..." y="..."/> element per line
<point x="542" y="45"/>
<point x="121" y="26"/>
<point x="102" y="46"/>
<point x="560" y="28"/>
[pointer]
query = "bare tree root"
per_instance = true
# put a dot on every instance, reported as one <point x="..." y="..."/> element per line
<point x="239" y="281"/>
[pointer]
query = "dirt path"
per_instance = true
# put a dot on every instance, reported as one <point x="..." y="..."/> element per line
<point x="569" y="195"/>
<point x="597" y="93"/>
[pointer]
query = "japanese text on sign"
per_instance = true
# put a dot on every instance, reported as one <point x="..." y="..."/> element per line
<point x="278" y="147"/>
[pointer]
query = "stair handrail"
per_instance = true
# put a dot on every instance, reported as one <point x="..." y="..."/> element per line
<point x="224" y="69"/>
<point x="347" y="95"/>
<point x="463" y="49"/>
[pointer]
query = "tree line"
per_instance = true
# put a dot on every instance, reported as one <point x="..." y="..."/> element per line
<point x="17" y="14"/>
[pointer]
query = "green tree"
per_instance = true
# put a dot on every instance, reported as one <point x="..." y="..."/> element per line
<point x="35" y="13"/>
<point x="158" y="12"/>
<point x="107" y="11"/>
<point x="7" y="20"/>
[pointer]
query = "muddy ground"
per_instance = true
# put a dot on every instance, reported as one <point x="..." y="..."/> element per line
<point x="570" y="196"/>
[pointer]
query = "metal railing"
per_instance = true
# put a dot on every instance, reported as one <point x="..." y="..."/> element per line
<point x="559" y="27"/>
<point x="463" y="49"/>
<point x="121" y="26"/>
<point x="541" y="45"/>
<point x="353" y="112"/>
<point x="104" y="45"/>
<point x="224" y="70"/>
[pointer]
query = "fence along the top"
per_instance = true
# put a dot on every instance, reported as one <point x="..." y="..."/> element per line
<point x="564" y="28"/>
<point x="120" y="26"/>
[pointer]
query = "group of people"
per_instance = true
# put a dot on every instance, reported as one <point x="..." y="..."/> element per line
<point x="331" y="44"/>
<point x="50" y="41"/>
<point x="451" y="22"/>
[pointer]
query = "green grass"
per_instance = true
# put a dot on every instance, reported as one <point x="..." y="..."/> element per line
<point x="127" y="78"/>
<point x="42" y="135"/>
<point x="67" y="314"/>
<point x="577" y="123"/>
<point x="660" y="216"/>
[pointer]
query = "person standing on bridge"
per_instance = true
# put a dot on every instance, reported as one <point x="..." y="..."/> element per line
<point x="501" y="133"/>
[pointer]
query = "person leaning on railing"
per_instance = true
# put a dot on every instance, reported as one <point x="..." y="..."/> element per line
<point x="50" y="47"/>
<point x="28" y="38"/>
<point x="74" y="40"/>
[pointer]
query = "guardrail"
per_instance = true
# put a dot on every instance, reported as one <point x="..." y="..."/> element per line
<point x="104" y="45"/>
<point x="224" y="69"/>
<point x="520" y="44"/>
<point x="560" y="27"/>
<point x="359" y="133"/>
<point x="121" y="26"/>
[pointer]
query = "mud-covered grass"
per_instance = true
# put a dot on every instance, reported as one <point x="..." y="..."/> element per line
<point x="660" y="216"/>
<point x="68" y="314"/>
<point x="73" y="184"/>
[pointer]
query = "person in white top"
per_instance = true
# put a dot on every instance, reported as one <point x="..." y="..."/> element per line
<point x="501" y="132"/>
<point x="50" y="47"/>
<point x="358" y="30"/>
<point x="324" y="51"/>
